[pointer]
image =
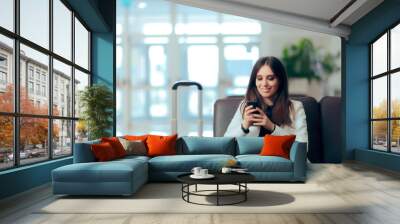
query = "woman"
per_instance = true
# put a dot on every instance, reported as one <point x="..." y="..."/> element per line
<point x="275" y="114"/>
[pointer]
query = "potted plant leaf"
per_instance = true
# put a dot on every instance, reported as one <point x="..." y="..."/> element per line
<point x="96" y="103"/>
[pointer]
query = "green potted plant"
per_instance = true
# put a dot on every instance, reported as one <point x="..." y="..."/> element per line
<point x="304" y="60"/>
<point x="96" y="103"/>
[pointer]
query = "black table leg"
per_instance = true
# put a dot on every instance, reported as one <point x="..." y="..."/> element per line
<point x="188" y="189"/>
<point x="182" y="190"/>
<point x="217" y="194"/>
<point x="245" y="193"/>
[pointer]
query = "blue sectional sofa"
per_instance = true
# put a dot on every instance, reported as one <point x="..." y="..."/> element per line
<point x="125" y="176"/>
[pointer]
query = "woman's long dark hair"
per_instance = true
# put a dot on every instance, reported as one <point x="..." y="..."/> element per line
<point x="282" y="104"/>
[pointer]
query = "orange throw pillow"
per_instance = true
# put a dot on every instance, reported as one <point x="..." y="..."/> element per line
<point x="136" y="137"/>
<point x="116" y="145"/>
<point x="161" y="145"/>
<point x="275" y="145"/>
<point x="103" y="151"/>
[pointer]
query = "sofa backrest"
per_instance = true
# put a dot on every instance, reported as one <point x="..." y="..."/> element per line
<point x="184" y="146"/>
<point x="330" y="124"/>
<point x="83" y="152"/>
<point x="311" y="108"/>
<point x="206" y="145"/>
<point x="225" y="108"/>
<point x="249" y="145"/>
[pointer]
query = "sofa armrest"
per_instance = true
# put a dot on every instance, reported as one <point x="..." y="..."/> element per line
<point x="298" y="155"/>
<point x="83" y="152"/>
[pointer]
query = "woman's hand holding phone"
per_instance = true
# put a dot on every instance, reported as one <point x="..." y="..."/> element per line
<point x="255" y="116"/>
<point x="248" y="116"/>
<point x="261" y="119"/>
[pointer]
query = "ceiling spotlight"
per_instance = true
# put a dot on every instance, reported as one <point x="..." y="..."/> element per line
<point x="142" y="5"/>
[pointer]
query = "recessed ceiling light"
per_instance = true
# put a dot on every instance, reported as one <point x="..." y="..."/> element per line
<point x="142" y="5"/>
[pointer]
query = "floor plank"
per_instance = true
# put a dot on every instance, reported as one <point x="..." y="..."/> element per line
<point x="377" y="190"/>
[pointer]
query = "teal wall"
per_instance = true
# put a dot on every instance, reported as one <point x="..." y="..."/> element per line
<point x="102" y="58"/>
<point x="99" y="15"/>
<point x="95" y="13"/>
<point x="24" y="178"/>
<point x="357" y="98"/>
<point x="380" y="159"/>
<point x="357" y="84"/>
<point x="103" y="63"/>
<point x="103" y="52"/>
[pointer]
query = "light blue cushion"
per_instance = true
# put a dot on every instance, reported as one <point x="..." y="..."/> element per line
<point x="206" y="145"/>
<point x="98" y="171"/>
<point x="249" y="145"/>
<point x="118" y="177"/>
<point x="93" y="172"/>
<point x="257" y="163"/>
<point x="185" y="163"/>
<point x="133" y="158"/>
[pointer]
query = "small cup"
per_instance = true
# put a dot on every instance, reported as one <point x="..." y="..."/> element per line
<point x="226" y="170"/>
<point x="196" y="170"/>
<point x="203" y="172"/>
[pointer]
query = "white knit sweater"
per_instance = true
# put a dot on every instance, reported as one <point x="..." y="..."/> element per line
<point x="298" y="127"/>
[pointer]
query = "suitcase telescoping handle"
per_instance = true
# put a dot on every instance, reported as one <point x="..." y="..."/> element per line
<point x="174" y="119"/>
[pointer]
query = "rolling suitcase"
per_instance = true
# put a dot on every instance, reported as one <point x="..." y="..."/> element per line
<point x="174" y="115"/>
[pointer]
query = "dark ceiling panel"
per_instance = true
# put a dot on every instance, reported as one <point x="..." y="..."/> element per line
<point x="96" y="14"/>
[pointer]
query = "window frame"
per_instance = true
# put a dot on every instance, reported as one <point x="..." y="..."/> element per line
<point x="388" y="74"/>
<point x="16" y="115"/>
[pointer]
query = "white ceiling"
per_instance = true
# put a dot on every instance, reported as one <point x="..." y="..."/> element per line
<point x="321" y="9"/>
<point x="314" y="15"/>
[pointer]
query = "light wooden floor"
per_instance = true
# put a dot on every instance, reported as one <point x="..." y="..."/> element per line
<point x="377" y="188"/>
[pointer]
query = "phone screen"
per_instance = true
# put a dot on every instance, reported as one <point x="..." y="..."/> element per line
<point x="254" y="104"/>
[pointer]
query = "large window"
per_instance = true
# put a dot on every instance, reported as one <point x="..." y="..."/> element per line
<point x="214" y="49"/>
<point x="385" y="94"/>
<point x="40" y="80"/>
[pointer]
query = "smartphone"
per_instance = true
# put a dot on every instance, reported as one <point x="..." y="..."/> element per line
<point x="254" y="104"/>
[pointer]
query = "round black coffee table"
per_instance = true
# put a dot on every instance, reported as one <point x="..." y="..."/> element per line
<point x="238" y="179"/>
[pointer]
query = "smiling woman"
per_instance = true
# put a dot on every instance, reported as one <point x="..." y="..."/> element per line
<point x="275" y="114"/>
